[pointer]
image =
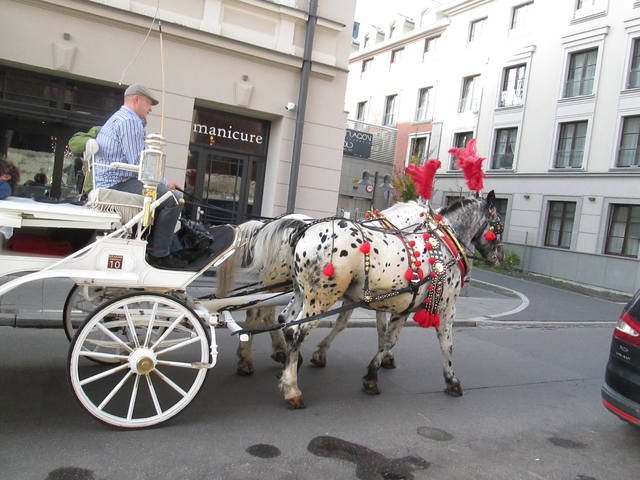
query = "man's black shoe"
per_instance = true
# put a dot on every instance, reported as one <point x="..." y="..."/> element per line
<point x="169" y="262"/>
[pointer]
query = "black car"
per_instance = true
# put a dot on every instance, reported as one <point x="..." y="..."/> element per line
<point x="621" y="389"/>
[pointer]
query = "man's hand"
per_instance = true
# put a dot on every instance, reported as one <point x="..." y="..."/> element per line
<point x="172" y="185"/>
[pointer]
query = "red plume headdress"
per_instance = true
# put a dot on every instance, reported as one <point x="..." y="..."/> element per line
<point x="423" y="176"/>
<point x="471" y="165"/>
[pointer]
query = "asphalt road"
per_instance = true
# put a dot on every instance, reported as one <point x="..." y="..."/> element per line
<point x="531" y="410"/>
<point x="552" y="304"/>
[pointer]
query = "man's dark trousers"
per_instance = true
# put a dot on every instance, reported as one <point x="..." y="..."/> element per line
<point x="166" y="215"/>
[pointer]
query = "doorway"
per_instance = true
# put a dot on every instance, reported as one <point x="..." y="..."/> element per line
<point x="227" y="186"/>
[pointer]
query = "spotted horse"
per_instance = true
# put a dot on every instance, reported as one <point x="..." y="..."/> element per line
<point x="416" y="269"/>
<point x="267" y="255"/>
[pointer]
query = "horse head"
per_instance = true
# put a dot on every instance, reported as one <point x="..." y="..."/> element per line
<point x="476" y="221"/>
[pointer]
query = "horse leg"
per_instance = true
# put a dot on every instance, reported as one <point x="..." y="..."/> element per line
<point x="370" y="380"/>
<point x="278" y="348"/>
<point x="245" y="361"/>
<point x="445" y="337"/>
<point x="294" y="336"/>
<point x="319" y="358"/>
<point x="388" y="361"/>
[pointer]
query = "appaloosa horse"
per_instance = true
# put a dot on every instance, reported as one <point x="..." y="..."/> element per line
<point x="415" y="268"/>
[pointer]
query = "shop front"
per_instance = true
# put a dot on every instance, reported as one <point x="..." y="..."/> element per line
<point x="226" y="166"/>
<point x="38" y="115"/>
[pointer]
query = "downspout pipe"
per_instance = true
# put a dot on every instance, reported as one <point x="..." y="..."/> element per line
<point x="302" y="105"/>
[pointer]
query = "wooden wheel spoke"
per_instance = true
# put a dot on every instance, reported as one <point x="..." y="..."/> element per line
<point x="170" y="382"/>
<point x="102" y="356"/>
<point x="178" y="345"/>
<point x="134" y="395"/>
<point x="106" y="373"/>
<point x="110" y="334"/>
<point x="154" y="397"/>
<point x="166" y="333"/>
<point x="115" y="390"/>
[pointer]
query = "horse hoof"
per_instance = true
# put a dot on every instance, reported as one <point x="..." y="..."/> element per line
<point x="244" y="370"/>
<point x="295" y="403"/>
<point x="319" y="359"/>
<point x="454" y="389"/>
<point x="388" y="362"/>
<point x="370" y="387"/>
<point x="279" y="357"/>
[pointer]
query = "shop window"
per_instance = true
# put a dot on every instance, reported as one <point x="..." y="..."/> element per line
<point x="560" y="224"/>
<point x="623" y="234"/>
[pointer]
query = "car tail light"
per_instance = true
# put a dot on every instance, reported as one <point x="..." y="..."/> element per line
<point x="628" y="329"/>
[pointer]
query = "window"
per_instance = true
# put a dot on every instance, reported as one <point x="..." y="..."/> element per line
<point x="623" y="234"/>
<point x="634" y="72"/>
<point x="571" y="145"/>
<point x="468" y="99"/>
<point x="475" y="29"/>
<point x="366" y="65"/>
<point x="512" y="93"/>
<point x="460" y="140"/>
<point x="581" y="74"/>
<point x="519" y="15"/>
<point x="560" y="224"/>
<point x="504" y="147"/>
<point x="418" y="151"/>
<point x="389" y="110"/>
<point x="422" y="110"/>
<point x="585" y="3"/>
<point x="396" y="55"/>
<point x="629" y="153"/>
<point x="366" y="41"/>
<point x="361" y="111"/>
<point x="392" y="29"/>
<point x="431" y="44"/>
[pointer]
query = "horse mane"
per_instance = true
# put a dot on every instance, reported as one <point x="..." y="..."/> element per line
<point x="458" y="204"/>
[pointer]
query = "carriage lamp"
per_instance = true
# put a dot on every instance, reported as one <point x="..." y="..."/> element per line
<point x="151" y="173"/>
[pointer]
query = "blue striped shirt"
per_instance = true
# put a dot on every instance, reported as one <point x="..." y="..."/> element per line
<point x="121" y="139"/>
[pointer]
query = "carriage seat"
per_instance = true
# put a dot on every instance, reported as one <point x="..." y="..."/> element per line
<point x="127" y="205"/>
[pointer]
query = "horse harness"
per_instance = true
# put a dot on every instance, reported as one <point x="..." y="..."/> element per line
<point x="436" y="230"/>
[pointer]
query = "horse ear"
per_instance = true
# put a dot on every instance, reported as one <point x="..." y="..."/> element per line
<point x="491" y="199"/>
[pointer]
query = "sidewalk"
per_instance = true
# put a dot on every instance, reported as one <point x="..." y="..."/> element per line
<point x="40" y="304"/>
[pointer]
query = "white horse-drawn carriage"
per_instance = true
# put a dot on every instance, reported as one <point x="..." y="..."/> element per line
<point x="145" y="347"/>
<point x="144" y="350"/>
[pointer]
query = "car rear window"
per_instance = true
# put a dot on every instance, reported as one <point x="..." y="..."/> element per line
<point x="633" y="307"/>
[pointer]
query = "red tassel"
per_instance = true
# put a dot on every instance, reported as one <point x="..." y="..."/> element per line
<point x="376" y="212"/>
<point x="432" y="275"/>
<point x="420" y="273"/>
<point x="421" y="317"/>
<point x="365" y="247"/>
<point x="490" y="236"/>
<point x="328" y="270"/>
<point x="408" y="274"/>
<point x="422" y="214"/>
<point x="423" y="176"/>
<point x="427" y="300"/>
<point x="432" y="260"/>
<point x="434" y="320"/>
<point x="428" y="246"/>
<point x="417" y="263"/>
<point x="426" y="236"/>
<point x="439" y="218"/>
<point x="366" y="215"/>
<point x="412" y="243"/>
<point x="471" y="165"/>
<point x="416" y="254"/>
<point x="430" y="287"/>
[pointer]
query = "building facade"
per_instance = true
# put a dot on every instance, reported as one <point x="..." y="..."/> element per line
<point x="551" y="91"/>
<point x="232" y="72"/>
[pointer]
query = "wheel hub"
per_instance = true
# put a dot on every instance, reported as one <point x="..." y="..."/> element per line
<point x="142" y="361"/>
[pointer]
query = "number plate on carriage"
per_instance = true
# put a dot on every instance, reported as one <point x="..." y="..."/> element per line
<point x="114" y="262"/>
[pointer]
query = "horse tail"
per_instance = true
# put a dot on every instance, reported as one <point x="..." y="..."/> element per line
<point x="243" y="258"/>
<point x="275" y="240"/>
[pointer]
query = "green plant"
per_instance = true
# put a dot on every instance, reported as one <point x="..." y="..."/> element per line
<point x="404" y="188"/>
<point x="511" y="259"/>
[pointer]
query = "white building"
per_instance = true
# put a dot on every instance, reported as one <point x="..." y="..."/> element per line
<point x="551" y="90"/>
<point x="231" y="66"/>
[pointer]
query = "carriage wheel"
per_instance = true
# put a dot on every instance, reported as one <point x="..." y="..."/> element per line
<point x="78" y="306"/>
<point x="161" y="349"/>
